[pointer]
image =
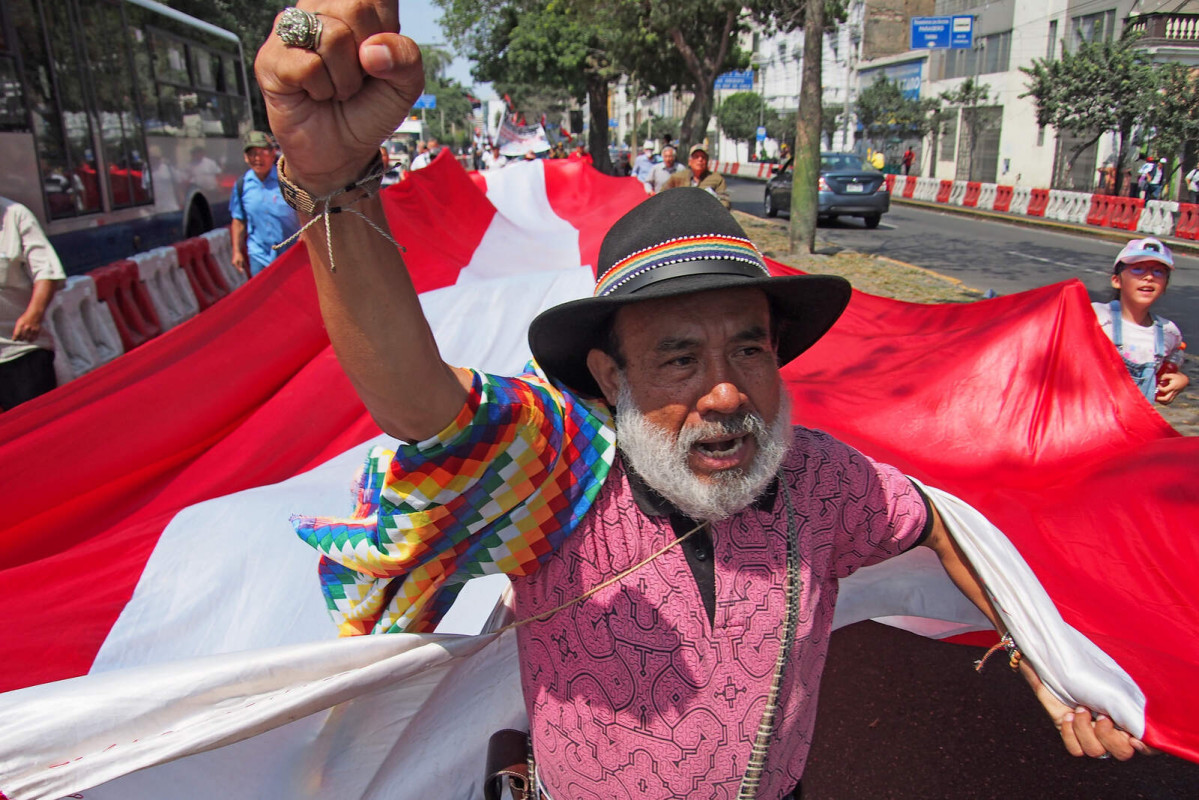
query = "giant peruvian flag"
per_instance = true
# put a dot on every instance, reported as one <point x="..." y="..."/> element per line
<point x="158" y="605"/>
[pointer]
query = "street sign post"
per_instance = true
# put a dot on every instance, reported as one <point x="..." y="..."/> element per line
<point x="761" y="133"/>
<point x="943" y="33"/>
<point x="737" y="80"/>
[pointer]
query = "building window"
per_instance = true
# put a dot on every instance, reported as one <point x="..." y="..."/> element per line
<point x="1040" y="136"/>
<point x="1051" y="46"/>
<point x="1099" y="27"/>
<point x="990" y="54"/>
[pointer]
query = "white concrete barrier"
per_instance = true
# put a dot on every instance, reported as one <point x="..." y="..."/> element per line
<point x="986" y="196"/>
<point x="167" y="284"/>
<point x="958" y="193"/>
<point x="926" y="189"/>
<point x="84" y="334"/>
<point x="1078" y="208"/>
<point x="220" y="244"/>
<point x="1159" y="217"/>
<point x="1020" y="197"/>
<point x="1053" y="210"/>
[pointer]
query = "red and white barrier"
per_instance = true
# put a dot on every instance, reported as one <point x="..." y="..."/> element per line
<point x="1159" y="217"/>
<point x="85" y="336"/>
<point x="220" y="245"/>
<point x="987" y="193"/>
<point x="167" y="285"/>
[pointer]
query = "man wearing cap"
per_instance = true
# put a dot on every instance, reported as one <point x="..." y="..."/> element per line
<point x="261" y="218"/>
<point x="700" y="177"/>
<point x="673" y="540"/>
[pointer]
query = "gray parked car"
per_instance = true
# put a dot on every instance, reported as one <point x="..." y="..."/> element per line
<point x="848" y="188"/>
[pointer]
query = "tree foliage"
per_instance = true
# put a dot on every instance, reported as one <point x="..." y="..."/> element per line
<point x="740" y="115"/>
<point x="1096" y="88"/>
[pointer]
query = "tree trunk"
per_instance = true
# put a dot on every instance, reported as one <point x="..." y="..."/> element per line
<point x="695" y="120"/>
<point x="806" y="170"/>
<point x="597" y="136"/>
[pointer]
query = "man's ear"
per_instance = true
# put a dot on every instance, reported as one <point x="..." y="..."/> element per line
<point x="606" y="372"/>
<point x="1116" y="280"/>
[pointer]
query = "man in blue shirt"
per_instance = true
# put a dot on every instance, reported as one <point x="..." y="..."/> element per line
<point x="261" y="218"/>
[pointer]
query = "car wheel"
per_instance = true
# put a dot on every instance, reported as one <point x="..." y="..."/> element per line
<point x="873" y="220"/>
<point x="768" y="205"/>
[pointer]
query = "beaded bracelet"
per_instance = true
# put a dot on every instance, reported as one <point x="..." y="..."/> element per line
<point x="1005" y="643"/>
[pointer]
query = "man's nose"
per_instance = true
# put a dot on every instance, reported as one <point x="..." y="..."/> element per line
<point x="723" y="398"/>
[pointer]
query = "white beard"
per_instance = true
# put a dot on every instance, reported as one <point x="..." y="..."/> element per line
<point x="661" y="458"/>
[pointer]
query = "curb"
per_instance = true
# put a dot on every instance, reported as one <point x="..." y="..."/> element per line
<point x="1110" y="234"/>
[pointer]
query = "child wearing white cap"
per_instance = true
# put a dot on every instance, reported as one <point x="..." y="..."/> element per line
<point x="1150" y="345"/>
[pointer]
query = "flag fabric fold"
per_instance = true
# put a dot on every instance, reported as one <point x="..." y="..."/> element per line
<point x="147" y="503"/>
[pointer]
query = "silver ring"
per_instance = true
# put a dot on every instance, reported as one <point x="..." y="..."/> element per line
<point x="298" y="28"/>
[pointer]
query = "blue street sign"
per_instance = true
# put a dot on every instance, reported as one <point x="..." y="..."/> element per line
<point x="740" y="80"/>
<point x="761" y="134"/>
<point x="612" y="123"/>
<point x="942" y="33"/>
<point x="426" y="101"/>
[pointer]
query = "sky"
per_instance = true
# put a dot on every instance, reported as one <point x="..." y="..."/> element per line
<point x="419" y="20"/>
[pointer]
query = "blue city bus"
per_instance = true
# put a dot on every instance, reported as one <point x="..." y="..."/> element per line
<point x="120" y="123"/>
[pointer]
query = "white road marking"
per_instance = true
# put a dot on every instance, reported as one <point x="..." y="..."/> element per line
<point x="1057" y="263"/>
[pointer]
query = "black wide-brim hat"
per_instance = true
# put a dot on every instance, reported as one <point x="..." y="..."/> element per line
<point x="678" y="242"/>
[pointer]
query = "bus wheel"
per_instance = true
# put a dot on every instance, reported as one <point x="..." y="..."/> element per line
<point x="198" y="219"/>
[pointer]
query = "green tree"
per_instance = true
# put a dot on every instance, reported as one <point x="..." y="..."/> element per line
<point x="1174" y="115"/>
<point x="830" y="121"/>
<point x="782" y="128"/>
<point x="452" y="121"/>
<point x="813" y="18"/>
<point x="740" y="115"/>
<point x="541" y="43"/>
<point x="1099" y="87"/>
<point x="968" y="96"/>
<point x="882" y="109"/>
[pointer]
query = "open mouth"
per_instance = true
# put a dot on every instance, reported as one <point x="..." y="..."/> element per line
<point x="723" y="448"/>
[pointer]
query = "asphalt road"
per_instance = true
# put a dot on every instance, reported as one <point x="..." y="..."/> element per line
<point x="902" y="716"/>
<point x="984" y="254"/>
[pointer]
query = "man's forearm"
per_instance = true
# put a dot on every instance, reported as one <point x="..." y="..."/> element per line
<point x="378" y="329"/>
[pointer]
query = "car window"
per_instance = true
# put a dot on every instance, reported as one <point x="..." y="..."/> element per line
<point x="836" y="162"/>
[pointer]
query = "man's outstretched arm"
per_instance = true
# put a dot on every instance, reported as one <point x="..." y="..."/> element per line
<point x="330" y="110"/>
<point x="1081" y="732"/>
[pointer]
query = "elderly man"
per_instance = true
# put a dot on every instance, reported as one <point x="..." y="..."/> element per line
<point x="662" y="172"/>
<point x="261" y="219"/>
<point x="675" y="543"/>
<point x="700" y="176"/>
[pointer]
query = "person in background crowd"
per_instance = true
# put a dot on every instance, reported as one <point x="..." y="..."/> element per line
<point x="426" y="156"/>
<point x="30" y="274"/>
<point x="644" y="164"/>
<point x="1157" y="178"/>
<point x="579" y="154"/>
<point x="492" y="158"/>
<point x="878" y="160"/>
<point x="391" y="172"/>
<point x="908" y="158"/>
<point x="261" y="218"/>
<point x="1151" y="346"/>
<point x="203" y="171"/>
<point x="662" y="172"/>
<point x="1192" y="180"/>
<point x="700" y="176"/>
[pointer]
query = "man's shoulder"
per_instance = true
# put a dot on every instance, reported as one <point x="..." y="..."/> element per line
<point x="679" y="178"/>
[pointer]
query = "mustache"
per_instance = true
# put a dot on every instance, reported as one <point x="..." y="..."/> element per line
<point x="741" y="424"/>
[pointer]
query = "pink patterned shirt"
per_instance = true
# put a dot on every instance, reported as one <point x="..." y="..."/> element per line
<point x="634" y="694"/>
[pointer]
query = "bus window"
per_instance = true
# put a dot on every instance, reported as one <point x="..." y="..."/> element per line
<point x="121" y="134"/>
